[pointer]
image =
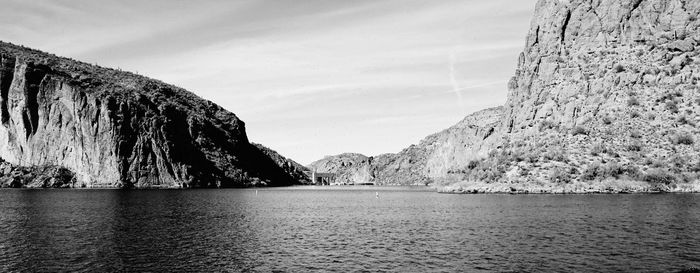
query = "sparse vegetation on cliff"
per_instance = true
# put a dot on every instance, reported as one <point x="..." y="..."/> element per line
<point x="143" y="133"/>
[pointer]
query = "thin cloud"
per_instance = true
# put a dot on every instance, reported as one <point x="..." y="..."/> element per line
<point x="310" y="68"/>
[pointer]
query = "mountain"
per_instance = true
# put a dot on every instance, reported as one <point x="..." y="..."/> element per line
<point x="419" y="164"/>
<point x="110" y="128"/>
<point x="296" y="171"/>
<point x="605" y="98"/>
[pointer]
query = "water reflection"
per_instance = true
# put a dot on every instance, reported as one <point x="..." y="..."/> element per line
<point x="296" y="229"/>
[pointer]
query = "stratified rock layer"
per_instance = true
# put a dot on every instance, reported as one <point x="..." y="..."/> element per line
<point x="117" y="129"/>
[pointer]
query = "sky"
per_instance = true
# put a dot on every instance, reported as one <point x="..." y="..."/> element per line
<point x="310" y="78"/>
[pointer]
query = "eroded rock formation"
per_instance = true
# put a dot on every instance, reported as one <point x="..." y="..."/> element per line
<point x="117" y="129"/>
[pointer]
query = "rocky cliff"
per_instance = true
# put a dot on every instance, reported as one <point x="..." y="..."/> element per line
<point x="419" y="164"/>
<point x="290" y="167"/>
<point x="116" y="129"/>
<point x="606" y="97"/>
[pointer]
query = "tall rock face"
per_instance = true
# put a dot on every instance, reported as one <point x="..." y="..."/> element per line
<point x="117" y="129"/>
<point x="603" y="90"/>
<point x="434" y="157"/>
<point x="581" y="57"/>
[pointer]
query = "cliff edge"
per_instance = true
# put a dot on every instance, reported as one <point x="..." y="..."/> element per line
<point x="116" y="129"/>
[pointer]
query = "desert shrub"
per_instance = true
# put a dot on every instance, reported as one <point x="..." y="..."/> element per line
<point x="658" y="164"/>
<point x="658" y="176"/>
<point x="673" y="95"/>
<point x="685" y="121"/>
<point x="618" y="68"/>
<point x="678" y="163"/>
<point x="493" y="153"/>
<point x="598" y="148"/>
<point x="555" y="154"/>
<point x="532" y="157"/>
<point x="612" y="170"/>
<point x="607" y="120"/>
<point x="546" y="125"/>
<point x="672" y="106"/>
<point x="652" y="116"/>
<point x="633" y="171"/>
<point x="560" y="175"/>
<point x="597" y="171"/>
<point x="634" y="147"/>
<point x="472" y="164"/>
<point x="652" y="71"/>
<point x="683" y="139"/>
<point x="633" y="101"/>
<point x="578" y="130"/>
<point x="695" y="167"/>
<point x="635" y="134"/>
<point x="634" y="114"/>
<point x="591" y="172"/>
<point x="489" y="169"/>
<point x="523" y="172"/>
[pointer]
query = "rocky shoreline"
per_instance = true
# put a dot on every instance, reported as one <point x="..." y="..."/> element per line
<point x="609" y="186"/>
<point x="12" y="176"/>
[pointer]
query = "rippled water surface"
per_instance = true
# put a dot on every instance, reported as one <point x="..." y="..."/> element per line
<point x="344" y="229"/>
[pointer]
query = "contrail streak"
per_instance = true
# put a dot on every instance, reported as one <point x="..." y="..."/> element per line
<point x="453" y="80"/>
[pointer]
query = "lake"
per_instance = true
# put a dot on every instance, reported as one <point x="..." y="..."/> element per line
<point x="344" y="229"/>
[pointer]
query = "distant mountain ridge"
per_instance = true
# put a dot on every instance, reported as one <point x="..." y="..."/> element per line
<point x="116" y="129"/>
<point x="418" y="164"/>
<point x="605" y="98"/>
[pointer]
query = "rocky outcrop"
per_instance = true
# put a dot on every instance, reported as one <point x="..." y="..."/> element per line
<point x="349" y="168"/>
<point x="117" y="129"/>
<point x="12" y="176"/>
<point x="434" y="157"/>
<point x="584" y="58"/>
